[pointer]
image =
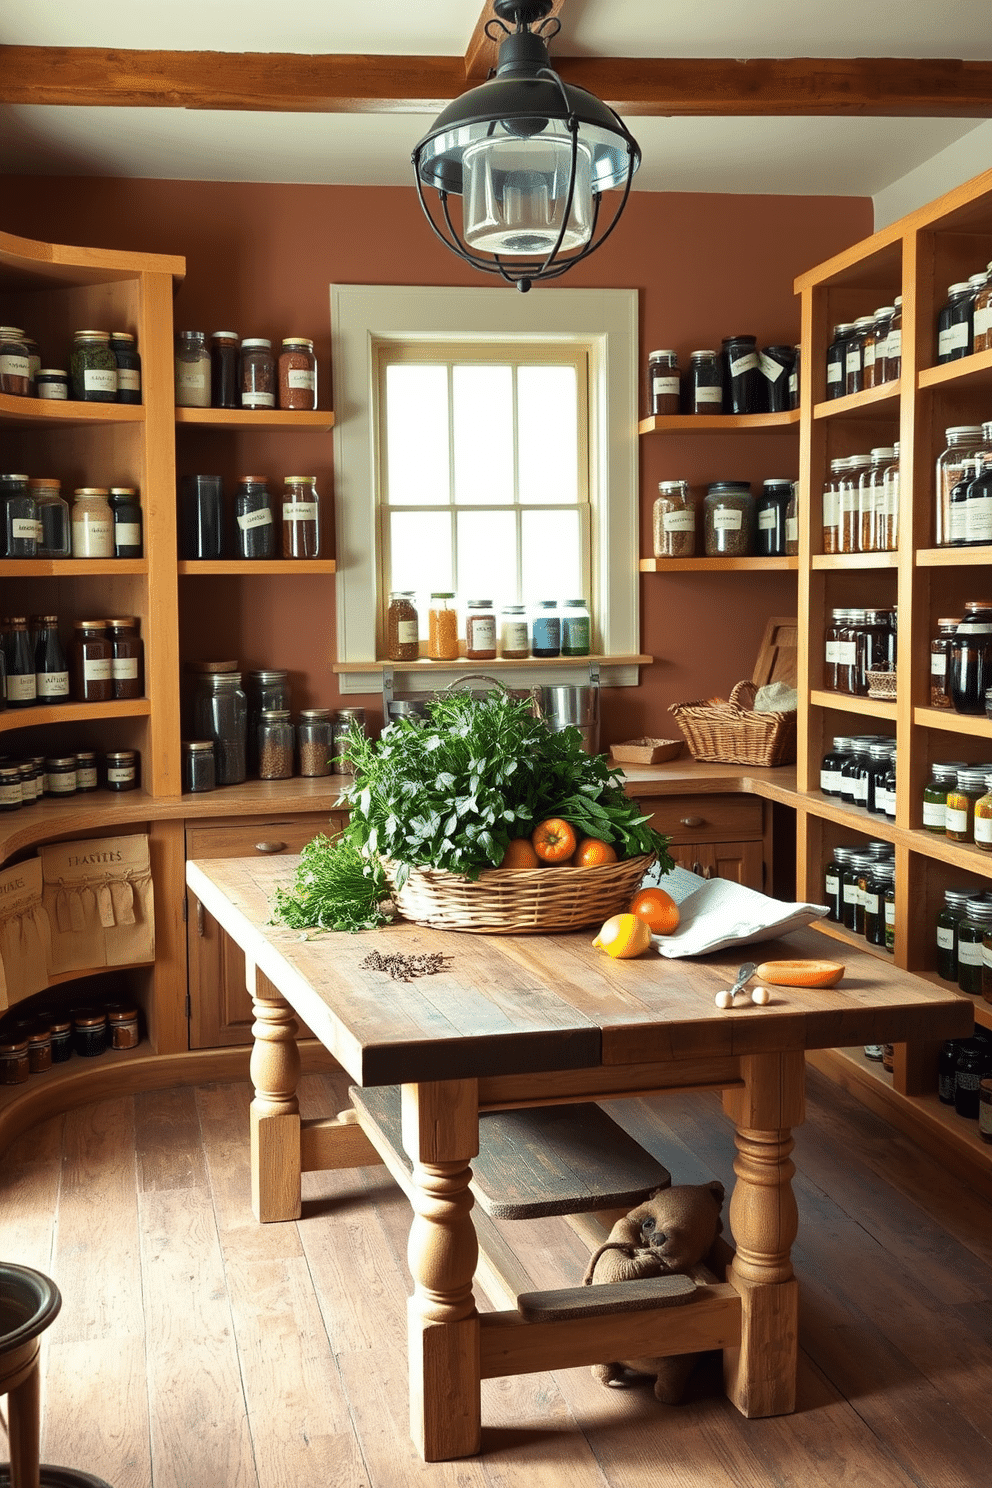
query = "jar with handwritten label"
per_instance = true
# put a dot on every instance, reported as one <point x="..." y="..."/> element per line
<point x="128" y="659"/>
<point x="728" y="519"/>
<point x="300" y="517"/>
<point x="92" y="662"/>
<point x="93" y="368"/>
<point x="92" y="523"/>
<point x="254" y="518"/>
<point x="480" y="630"/>
<point x="664" y="384"/>
<point x="128" y="363"/>
<point x="258" y="373"/>
<point x="771" y="512"/>
<point x="192" y="370"/>
<point x="402" y="626"/>
<point x="121" y="766"/>
<point x="744" y="384"/>
<point x="776" y="367"/>
<point x="297" y="373"/>
<point x="705" y="383"/>
<point x="514" y="633"/>
<point x="674" y="521"/>
<point x="836" y="359"/>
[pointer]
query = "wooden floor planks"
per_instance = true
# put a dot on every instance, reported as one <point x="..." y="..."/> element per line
<point x="197" y="1347"/>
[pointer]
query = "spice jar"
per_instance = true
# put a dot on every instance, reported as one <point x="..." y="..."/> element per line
<point x="93" y="368"/>
<point x="128" y="663"/>
<point x="60" y="1029"/>
<point x="15" y="366"/>
<point x="576" y="637"/>
<point x="122" y="1025"/>
<point x="192" y="370"/>
<point x="964" y="441"/>
<point x="125" y="509"/>
<point x="744" y="385"/>
<point x="770" y="510"/>
<point x="480" y="630"/>
<point x="225" y="390"/>
<point x="943" y="778"/>
<point x="220" y="713"/>
<point x="959" y="807"/>
<point x="776" y="364"/>
<point x="315" y="740"/>
<point x="948" y="919"/>
<point x="201" y="516"/>
<point x="545" y="629"/>
<point x="514" y="637"/>
<point x="875" y="534"/>
<point x="254" y="517"/>
<point x="122" y="769"/>
<point x="275" y="745"/>
<point x="92" y="662"/>
<point x="346" y="721"/>
<point x="19" y="531"/>
<point x="831" y="505"/>
<point x="14" y="1067"/>
<point x="268" y="691"/>
<point x="728" y="519"/>
<point x="258" y="374"/>
<point x="128" y="364"/>
<point x="89" y="1032"/>
<point x="792" y="523"/>
<point x="876" y="346"/>
<point x="971" y="662"/>
<point x="849" y="505"/>
<point x="663" y="382"/>
<point x="954" y="324"/>
<point x="832" y="881"/>
<point x="199" y="771"/>
<point x="837" y="359"/>
<point x="402" y="627"/>
<point x="92" y="523"/>
<point x="705" y="385"/>
<point x="86" y="776"/>
<point x="893" y="350"/>
<point x="52" y="383"/>
<point x="674" y="521"/>
<point x="940" y="655"/>
<point x="297" y="373"/>
<point x="442" y="622"/>
<point x="300" y="517"/>
<point x="854" y="362"/>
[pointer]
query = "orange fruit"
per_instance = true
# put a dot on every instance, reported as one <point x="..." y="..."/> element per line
<point x="657" y="909"/>
<point x="800" y="973"/>
<point x="520" y="854"/>
<point x="623" y="936"/>
<point x="553" y="840"/>
<point x="592" y="851"/>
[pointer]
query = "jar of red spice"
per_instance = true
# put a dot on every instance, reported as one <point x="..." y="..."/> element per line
<point x="258" y="373"/>
<point x="297" y="373"/>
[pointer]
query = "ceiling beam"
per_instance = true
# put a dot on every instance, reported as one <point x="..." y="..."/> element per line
<point x="480" y="54"/>
<point x="894" y="87"/>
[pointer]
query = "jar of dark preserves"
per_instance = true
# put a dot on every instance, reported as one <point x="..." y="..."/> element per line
<point x="745" y="389"/>
<point x="60" y="775"/>
<point x="772" y="511"/>
<point x="837" y="359"/>
<point x="128" y="363"/>
<point x="52" y="383"/>
<point x="225" y="391"/>
<point x="128" y="663"/>
<point x="255" y="518"/>
<point x="93" y="368"/>
<point x="663" y="382"/>
<point x="970" y="1069"/>
<point x="833" y="763"/>
<point x="89" y="1032"/>
<point x="20" y="517"/>
<point x="795" y="386"/>
<point x="54" y="527"/>
<point x="954" y="324"/>
<point x="258" y="373"/>
<point x="777" y="363"/>
<point x="86" y="772"/>
<point x="971" y="659"/>
<point x="122" y="769"/>
<point x="705" y="383"/>
<point x="92" y="663"/>
<point x="15" y="366"/>
<point x="11" y="794"/>
<point x="728" y="519"/>
<point x="126" y="509"/>
<point x="199" y="769"/>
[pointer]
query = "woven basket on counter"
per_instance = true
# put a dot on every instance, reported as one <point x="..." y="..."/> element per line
<point x="518" y="901"/>
<point x="732" y="733"/>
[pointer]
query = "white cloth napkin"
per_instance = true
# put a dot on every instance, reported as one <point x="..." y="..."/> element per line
<point x="716" y="913"/>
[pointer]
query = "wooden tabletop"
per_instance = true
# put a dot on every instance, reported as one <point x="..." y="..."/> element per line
<point x="515" y="1004"/>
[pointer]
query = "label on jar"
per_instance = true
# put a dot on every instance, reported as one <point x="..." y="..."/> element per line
<point x="52" y="685"/>
<point x="847" y="653"/>
<point x="482" y="633"/>
<point x="664" y="385"/>
<point x="127" y="534"/>
<point x="23" y="527"/>
<point x="893" y="348"/>
<point x="53" y="390"/>
<point x="766" y="520"/>
<point x="935" y="814"/>
<point x="945" y="937"/>
<point x="125" y="668"/>
<point x="86" y="777"/>
<point x="708" y="395"/>
<point x="258" y="400"/>
<point x="792" y="529"/>
<point x="861" y="796"/>
<point x="831" y="508"/>
<point x="830" y="785"/>
<point x="261" y="518"/>
<point x="870" y="353"/>
<point x="93" y="538"/>
<point x="193" y="378"/>
<point x="852" y="894"/>
<point x="849" y="499"/>
<point x="299" y="511"/>
<point x="871" y="904"/>
<point x="678" y="521"/>
<point x="726" y="520"/>
<point x="300" y="377"/>
<point x="969" y="954"/>
<point x="983" y="319"/>
<point x="407" y="632"/>
<point x="100" y="379"/>
<point x="128" y="380"/>
<point x="959" y="336"/>
<point x="955" y="819"/>
<point x="831" y="882"/>
<point x="835" y="372"/>
<point x="793" y="382"/>
<point x="978" y="519"/>
<point x="97" y="670"/>
<point x="852" y="362"/>
<point x="890" y="914"/>
<point x="938" y="663"/>
<point x="956" y="527"/>
<point x="60" y="784"/>
<point x="513" y="637"/>
<point x="21" y="689"/>
<point x="120" y="774"/>
<point x="770" y="367"/>
<point x="10" y="795"/>
<point x="15" y="366"/>
<point x="830" y="653"/>
<point x="747" y="363"/>
<point x="983" y="829"/>
<point x="944" y="342"/>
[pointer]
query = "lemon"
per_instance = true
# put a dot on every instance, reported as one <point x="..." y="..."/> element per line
<point x="623" y="935"/>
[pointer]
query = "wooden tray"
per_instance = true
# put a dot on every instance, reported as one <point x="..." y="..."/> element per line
<point x="645" y="751"/>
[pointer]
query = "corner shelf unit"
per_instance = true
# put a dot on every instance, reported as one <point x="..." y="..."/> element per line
<point x="918" y="256"/>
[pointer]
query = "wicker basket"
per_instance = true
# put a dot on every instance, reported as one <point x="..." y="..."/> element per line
<point x="518" y="901"/>
<point x="732" y="733"/>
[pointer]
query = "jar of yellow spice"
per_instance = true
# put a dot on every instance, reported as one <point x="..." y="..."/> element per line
<point x="442" y="627"/>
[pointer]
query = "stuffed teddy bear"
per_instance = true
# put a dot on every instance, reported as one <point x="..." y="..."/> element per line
<point x="669" y="1234"/>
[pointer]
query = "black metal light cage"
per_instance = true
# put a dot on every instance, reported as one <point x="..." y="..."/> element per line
<point x="527" y="91"/>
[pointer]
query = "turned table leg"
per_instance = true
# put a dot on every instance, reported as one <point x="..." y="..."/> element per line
<point x="276" y="1191"/>
<point x="760" y="1375"/>
<point x="441" y="1136"/>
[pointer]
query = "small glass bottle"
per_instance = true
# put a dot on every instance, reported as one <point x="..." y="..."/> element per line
<point x="125" y="508"/>
<point x="19" y="533"/>
<point x="705" y="383"/>
<point x="664" y="385"/>
<point x="874" y="535"/>
<point x="836" y="360"/>
<point x="300" y="517"/>
<point x="257" y="373"/>
<point x="833" y="881"/>
<point x="851" y="902"/>
<point x="128" y="660"/>
<point x="954" y="324"/>
<point x="442" y="626"/>
<point x="199" y="771"/>
<point x="93" y="368"/>
<point x="60" y="1028"/>
<point x="297" y="373"/>
<point x="776" y="364"/>
<point x="192" y="370"/>
<point x="514" y="637"/>
<point x="22" y="682"/>
<point x="50" y="665"/>
<point x="893" y="351"/>
<point x="54" y="527"/>
<point x="225" y="391"/>
<point x="92" y="662"/>
<point x="889" y="914"/>
<point x="674" y="521"/>
<point x="971" y="930"/>
<point x="947" y="1061"/>
<point x="575" y="628"/>
<point x="943" y="778"/>
<point x="11" y="793"/>
<point x="833" y="763"/>
<point x="122" y="769"/>
<point x="92" y="523"/>
<point x="315" y="742"/>
<point x="545" y="629"/>
<point x="128" y="362"/>
<point x="402" y="627"/>
<point x="14" y="1067"/>
<point x="275" y="745"/>
<point x="480" y="630"/>
<point x="940" y="655"/>
<point x="831" y="505"/>
<point x="254" y="518"/>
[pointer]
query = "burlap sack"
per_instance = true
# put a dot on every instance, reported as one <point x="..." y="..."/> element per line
<point x="100" y="903"/>
<point x="25" y="944"/>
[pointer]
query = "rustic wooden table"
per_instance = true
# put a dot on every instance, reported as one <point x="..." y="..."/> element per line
<point x="527" y="1020"/>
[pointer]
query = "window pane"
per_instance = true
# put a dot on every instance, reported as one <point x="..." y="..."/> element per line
<point x="483" y="420"/>
<point x="487" y="556"/>
<point x="420" y="553"/>
<point x="417" y="435"/>
<point x="547" y="419"/>
<point x="552" y="556"/>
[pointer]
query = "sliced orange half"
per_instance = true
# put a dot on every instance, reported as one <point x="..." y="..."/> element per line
<point x="799" y="973"/>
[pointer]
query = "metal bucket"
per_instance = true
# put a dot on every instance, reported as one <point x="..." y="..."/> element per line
<point x="572" y="707"/>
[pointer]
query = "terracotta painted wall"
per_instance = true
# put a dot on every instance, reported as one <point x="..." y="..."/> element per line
<point x="260" y="259"/>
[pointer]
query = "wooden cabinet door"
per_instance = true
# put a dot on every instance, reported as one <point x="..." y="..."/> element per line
<point x="740" y="862"/>
<point x="219" y="1004"/>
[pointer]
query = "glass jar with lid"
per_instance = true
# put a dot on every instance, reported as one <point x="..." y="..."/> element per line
<point x="122" y="769"/>
<point x="981" y="315"/>
<point x="833" y="763"/>
<point x="832" y="880"/>
<point x="125" y="507"/>
<point x="794" y="377"/>
<point x="964" y="442"/>
<point x="776" y="366"/>
<point x="225" y="389"/>
<point x="545" y="629"/>
<point x="854" y="359"/>
<point x="880" y="755"/>
<point x="940" y="656"/>
<point x="199" y="769"/>
<point x="674" y="521"/>
<point x="86" y="771"/>
<point x="849" y="515"/>
<point x="971" y="658"/>
<point x="854" y="772"/>
<point x="728" y="519"/>
<point x="220" y="713"/>
<point x="949" y="918"/>
<point x="576" y="629"/>
<point x="851" y="902"/>
<point x="257" y="373"/>
<point x="831" y="505"/>
<point x="850" y="655"/>
<point x="974" y="925"/>
<point x="943" y="778"/>
<point x="969" y="787"/>
<point x="705" y="383"/>
<point x="893" y="350"/>
<point x="974" y="527"/>
<point x="128" y="364"/>
<point x="954" y="324"/>
<point x="267" y="689"/>
<point x="314" y="742"/>
<point x="664" y="384"/>
<point x="982" y="816"/>
<point x="92" y="523"/>
<point x="836" y="660"/>
<point x="837" y="360"/>
<point x="877" y="647"/>
<point x="480" y="630"/>
<point x="128" y="661"/>
<point x="60" y="775"/>
<point x="300" y="517"/>
<point x="744" y="387"/>
<point x="871" y="500"/>
<point x="275" y="745"/>
<point x="92" y="662"/>
<point x="255" y="518"/>
<point x="402" y="626"/>
<point x="93" y="368"/>
<point x="52" y="383"/>
<point x="770" y="517"/>
<point x="792" y="523"/>
<point x="887" y="504"/>
<point x="193" y="370"/>
<point x="19" y="532"/>
<point x="297" y="373"/>
<point x="881" y="877"/>
<point x="442" y="626"/>
<point x="11" y="794"/>
<point x="876" y="346"/>
<point x="514" y="637"/>
<point x="15" y="366"/>
<point x="347" y="721"/>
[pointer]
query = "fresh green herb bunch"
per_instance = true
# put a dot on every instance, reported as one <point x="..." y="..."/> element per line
<point x="337" y="887"/>
<point x="452" y="791"/>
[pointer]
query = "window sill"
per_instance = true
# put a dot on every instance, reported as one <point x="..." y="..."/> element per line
<point x="429" y="676"/>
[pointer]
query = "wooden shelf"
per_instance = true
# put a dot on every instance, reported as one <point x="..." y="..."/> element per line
<point x="68" y="568"/>
<point x="850" y="938"/>
<point x="463" y="664"/>
<point x="979" y="557"/>
<point x="866" y="706"/>
<point x="18" y="718"/>
<point x="973" y="371"/>
<point x="320" y="419"/>
<point x="716" y="565"/>
<point x="973" y="724"/>
<point x="25" y="412"/>
<point x="871" y="404"/>
<point x="720" y="423"/>
<point x="259" y="568"/>
<point x="834" y="561"/>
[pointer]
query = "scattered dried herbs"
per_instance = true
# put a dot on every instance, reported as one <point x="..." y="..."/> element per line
<point x="405" y="968"/>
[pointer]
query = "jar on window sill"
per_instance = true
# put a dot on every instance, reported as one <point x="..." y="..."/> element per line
<point x="192" y="370"/>
<point x="93" y="368"/>
<point x="674" y="520"/>
<point x="254" y="517"/>
<point x="664" y="383"/>
<point x="297" y="373"/>
<point x="576" y="628"/>
<point x="728" y="519"/>
<point x="480" y="630"/>
<point x="92" y="523"/>
<point x="125" y="508"/>
<point x="225" y="389"/>
<point x="258" y="373"/>
<point x="545" y="629"/>
<point x="442" y="626"/>
<point x="300" y="517"/>
<point x="128" y="363"/>
<point x="705" y="383"/>
<point x="402" y="627"/>
<point x="15" y="366"/>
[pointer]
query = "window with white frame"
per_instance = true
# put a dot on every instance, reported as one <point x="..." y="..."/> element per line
<point x="484" y="441"/>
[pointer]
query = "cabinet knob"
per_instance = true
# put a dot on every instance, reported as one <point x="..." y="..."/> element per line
<point x="691" y="821"/>
<point x="270" y="847"/>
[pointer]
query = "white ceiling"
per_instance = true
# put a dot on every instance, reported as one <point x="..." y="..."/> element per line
<point x="791" y="156"/>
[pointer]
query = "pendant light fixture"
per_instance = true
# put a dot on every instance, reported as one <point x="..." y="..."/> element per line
<point x="529" y="155"/>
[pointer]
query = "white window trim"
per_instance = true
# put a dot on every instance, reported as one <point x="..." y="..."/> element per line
<point x="603" y="319"/>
